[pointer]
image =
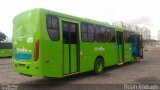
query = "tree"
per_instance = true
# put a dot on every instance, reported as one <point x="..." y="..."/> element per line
<point x="2" y="36"/>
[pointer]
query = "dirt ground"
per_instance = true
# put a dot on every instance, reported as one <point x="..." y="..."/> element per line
<point x="145" y="71"/>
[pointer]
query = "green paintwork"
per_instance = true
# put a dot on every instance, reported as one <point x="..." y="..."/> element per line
<point x="66" y="59"/>
<point x="5" y="52"/>
<point x="120" y="53"/>
<point x="73" y="58"/>
<point x="53" y="55"/>
<point x="26" y="26"/>
<point x="127" y="52"/>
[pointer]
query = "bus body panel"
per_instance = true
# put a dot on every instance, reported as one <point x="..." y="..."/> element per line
<point x="87" y="58"/>
<point x="51" y="51"/>
<point x="90" y="51"/>
<point x="127" y="51"/>
<point x="65" y="58"/>
<point x="111" y="57"/>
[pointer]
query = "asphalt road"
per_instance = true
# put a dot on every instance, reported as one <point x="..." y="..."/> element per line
<point x="145" y="71"/>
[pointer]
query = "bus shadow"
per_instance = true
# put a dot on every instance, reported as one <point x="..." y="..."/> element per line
<point x="54" y="83"/>
<point x="63" y="83"/>
<point x="5" y="57"/>
<point x="119" y="66"/>
<point x="64" y="80"/>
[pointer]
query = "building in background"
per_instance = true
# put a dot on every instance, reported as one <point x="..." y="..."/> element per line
<point x="145" y="32"/>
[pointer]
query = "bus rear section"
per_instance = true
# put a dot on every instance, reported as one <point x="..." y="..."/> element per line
<point x="26" y="43"/>
<point x="37" y="47"/>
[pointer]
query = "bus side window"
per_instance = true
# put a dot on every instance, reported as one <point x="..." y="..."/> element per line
<point x="84" y="32"/>
<point x="127" y="37"/>
<point x="65" y="27"/>
<point x="87" y="31"/>
<point x="90" y="32"/>
<point x="73" y="33"/>
<point x="97" y="34"/>
<point x="112" y="35"/>
<point x="53" y="27"/>
<point x="124" y="36"/>
<point x="102" y="34"/>
<point x="107" y="34"/>
<point x="130" y="37"/>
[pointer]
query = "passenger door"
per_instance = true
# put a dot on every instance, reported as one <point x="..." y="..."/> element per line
<point x="70" y="47"/>
<point x="120" y="47"/>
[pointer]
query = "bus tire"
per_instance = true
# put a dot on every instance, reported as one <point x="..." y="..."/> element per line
<point x="98" y="66"/>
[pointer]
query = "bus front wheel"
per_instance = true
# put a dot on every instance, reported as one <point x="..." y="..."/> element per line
<point x="98" y="66"/>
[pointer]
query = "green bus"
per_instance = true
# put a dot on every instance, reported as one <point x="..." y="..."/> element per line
<point x="5" y="49"/>
<point x="52" y="44"/>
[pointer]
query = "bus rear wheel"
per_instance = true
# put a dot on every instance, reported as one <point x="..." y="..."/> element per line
<point x="98" y="66"/>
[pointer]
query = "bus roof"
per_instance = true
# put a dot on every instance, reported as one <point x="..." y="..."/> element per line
<point x="79" y="18"/>
<point x="66" y="15"/>
<point x="76" y="18"/>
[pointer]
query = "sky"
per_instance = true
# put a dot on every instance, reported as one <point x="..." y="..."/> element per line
<point x="143" y="13"/>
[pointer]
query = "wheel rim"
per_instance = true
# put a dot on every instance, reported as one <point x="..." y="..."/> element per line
<point x="99" y="67"/>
